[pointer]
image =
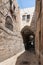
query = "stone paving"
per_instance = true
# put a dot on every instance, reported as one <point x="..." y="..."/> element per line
<point x="27" y="58"/>
<point x="22" y="58"/>
<point x="12" y="60"/>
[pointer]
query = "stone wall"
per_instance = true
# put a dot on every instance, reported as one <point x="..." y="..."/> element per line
<point x="39" y="30"/>
<point x="11" y="41"/>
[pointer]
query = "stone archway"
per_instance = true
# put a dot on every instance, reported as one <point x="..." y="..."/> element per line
<point x="28" y="38"/>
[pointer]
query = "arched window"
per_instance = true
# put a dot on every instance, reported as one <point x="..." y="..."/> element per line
<point x="8" y="23"/>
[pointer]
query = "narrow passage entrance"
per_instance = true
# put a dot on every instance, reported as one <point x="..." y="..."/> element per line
<point x="28" y="38"/>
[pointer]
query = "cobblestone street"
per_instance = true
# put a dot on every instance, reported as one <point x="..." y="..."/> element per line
<point x="23" y="58"/>
<point x="27" y="58"/>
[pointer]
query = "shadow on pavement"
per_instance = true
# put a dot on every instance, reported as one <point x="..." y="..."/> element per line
<point x="27" y="58"/>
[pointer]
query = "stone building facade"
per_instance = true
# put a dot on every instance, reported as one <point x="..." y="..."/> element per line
<point x="39" y="30"/>
<point x="26" y="15"/>
<point x="10" y="38"/>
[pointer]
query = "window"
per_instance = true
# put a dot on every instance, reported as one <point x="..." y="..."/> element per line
<point x="8" y="23"/>
<point x="28" y="18"/>
<point x="24" y="17"/>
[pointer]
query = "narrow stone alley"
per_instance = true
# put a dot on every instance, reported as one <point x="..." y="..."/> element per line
<point x="21" y="33"/>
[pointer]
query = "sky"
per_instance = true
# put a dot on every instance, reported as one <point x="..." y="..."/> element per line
<point x="26" y="3"/>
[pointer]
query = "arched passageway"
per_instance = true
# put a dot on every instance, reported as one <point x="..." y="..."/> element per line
<point x="28" y="38"/>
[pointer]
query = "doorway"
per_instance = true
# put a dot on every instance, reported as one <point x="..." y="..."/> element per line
<point x="28" y="38"/>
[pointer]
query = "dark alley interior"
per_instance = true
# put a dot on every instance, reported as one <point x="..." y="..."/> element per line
<point x="28" y="39"/>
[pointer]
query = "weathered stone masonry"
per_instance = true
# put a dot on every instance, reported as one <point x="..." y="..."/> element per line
<point x="10" y="38"/>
